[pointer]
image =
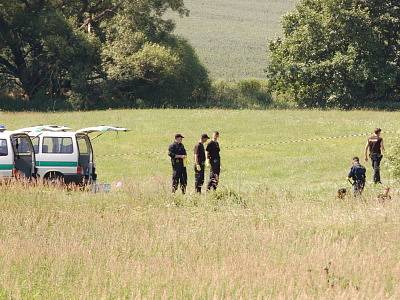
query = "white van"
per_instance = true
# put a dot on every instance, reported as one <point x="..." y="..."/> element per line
<point x="17" y="156"/>
<point x="65" y="155"/>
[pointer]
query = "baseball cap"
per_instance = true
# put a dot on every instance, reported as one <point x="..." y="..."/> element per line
<point x="178" y="135"/>
<point x="205" y="136"/>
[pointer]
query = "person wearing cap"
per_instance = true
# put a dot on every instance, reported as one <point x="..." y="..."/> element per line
<point x="375" y="148"/>
<point x="177" y="153"/>
<point x="200" y="162"/>
<point x="215" y="161"/>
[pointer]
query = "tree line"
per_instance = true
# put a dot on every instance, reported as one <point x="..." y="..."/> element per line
<point x="89" y="54"/>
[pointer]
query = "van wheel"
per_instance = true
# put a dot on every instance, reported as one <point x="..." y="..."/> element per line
<point x="54" y="178"/>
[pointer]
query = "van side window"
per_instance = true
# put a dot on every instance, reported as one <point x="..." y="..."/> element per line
<point x="3" y="147"/>
<point x="35" y="143"/>
<point x="58" y="145"/>
<point x="22" y="146"/>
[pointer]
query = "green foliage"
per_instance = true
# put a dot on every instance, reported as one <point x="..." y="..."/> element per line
<point x="38" y="46"/>
<point x="393" y="157"/>
<point x="152" y="62"/>
<point x="338" y="53"/>
<point x="96" y="54"/>
<point x="9" y="103"/>
<point x="227" y="197"/>
<point x="129" y="55"/>
<point x="249" y="93"/>
<point x="188" y="86"/>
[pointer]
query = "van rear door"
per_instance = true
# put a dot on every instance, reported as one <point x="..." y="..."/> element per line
<point x="85" y="156"/>
<point x="101" y="129"/>
<point x="87" y="161"/>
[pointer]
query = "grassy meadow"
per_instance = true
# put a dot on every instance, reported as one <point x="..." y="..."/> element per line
<point x="274" y="229"/>
<point x="231" y="36"/>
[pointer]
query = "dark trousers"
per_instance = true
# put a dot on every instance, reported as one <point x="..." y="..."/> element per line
<point x="358" y="188"/>
<point x="214" y="174"/>
<point x="376" y="165"/>
<point x="199" y="177"/>
<point x="179" y="177"/>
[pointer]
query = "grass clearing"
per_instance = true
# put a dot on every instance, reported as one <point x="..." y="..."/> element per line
<point x="273" y="230"/>
<point x="230" y="36"/>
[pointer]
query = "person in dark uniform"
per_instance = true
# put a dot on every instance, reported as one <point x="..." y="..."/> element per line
<point x="200" y="162"/>
<point x="178" y="156"/>
<point x="213" y="155"/>
<point x="357" y="175"/>
<point x="375" y="148"/>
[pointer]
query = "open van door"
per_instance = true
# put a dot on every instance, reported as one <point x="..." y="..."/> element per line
<point x="101" y="129"/>
<point x="86" y="160"/>
<point x="24" y="155"/>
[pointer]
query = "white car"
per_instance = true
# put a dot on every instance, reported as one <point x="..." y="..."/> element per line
<point x="17" y="156"/>
<point x="63" y="154"/>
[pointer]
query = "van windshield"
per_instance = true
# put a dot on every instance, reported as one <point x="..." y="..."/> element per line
<point x="3" y="147"/>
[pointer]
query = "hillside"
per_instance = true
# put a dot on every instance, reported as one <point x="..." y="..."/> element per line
<point x="230" y="36"/>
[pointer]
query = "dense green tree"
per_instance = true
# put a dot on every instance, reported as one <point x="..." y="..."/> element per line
<point x="39" y="50"/>
<point x="338" y="53"/>
<point x="149" y="63"/>
<point x="97" y="53"/>
<point x="130" y="54"/>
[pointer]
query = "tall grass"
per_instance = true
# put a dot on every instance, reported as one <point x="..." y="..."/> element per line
<point x="274" y="229"/>
<point x="142" y="242"/>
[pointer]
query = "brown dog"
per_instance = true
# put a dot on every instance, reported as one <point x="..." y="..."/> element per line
<point x="341" y="193"/>
<point x="384" y="196"/>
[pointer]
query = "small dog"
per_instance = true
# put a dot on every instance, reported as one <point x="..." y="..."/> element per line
<point x="341" y="193"/>
<point x="384" y="196"/>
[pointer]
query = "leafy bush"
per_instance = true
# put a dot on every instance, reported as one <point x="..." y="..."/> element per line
<point x="227" y="197"/>
<point x="393" y="157"/>
<point x="12" y="104"/>
<point x="187" y="86"/>
<point x="248" y="93"/>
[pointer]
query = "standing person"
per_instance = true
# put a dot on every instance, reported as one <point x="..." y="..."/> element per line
<point x="214" y="158"/>
<point x="200" y="162"/>
<point x="178" y="155"/>
<point x="357" y="174"/>
<point x="375" y="148"/>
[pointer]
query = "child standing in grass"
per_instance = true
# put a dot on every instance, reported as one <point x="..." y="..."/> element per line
<point x="357" y="174"/>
